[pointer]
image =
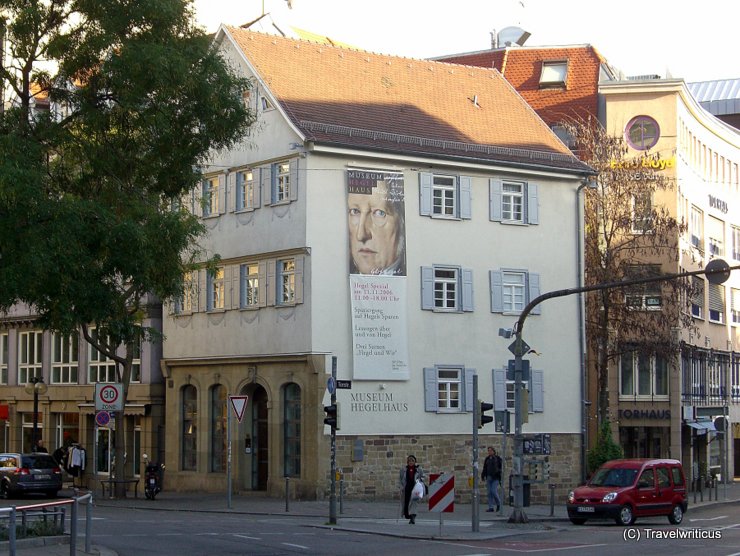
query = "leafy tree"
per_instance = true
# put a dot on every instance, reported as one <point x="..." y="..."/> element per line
<point x="113" y="107"/>
<point x="605" y="448"/>
<point x="629" y="234"/>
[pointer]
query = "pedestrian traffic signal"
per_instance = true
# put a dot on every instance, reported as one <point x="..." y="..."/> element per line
<point x="482" y="417"/>
<point x="332" y="416"/>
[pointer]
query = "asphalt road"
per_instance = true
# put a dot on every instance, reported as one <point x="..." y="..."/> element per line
<point x="705" y="531"/>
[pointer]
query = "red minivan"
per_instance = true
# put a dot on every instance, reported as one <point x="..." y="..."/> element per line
<point x="625" y="489"/>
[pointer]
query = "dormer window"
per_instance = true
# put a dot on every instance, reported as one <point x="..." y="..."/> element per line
<point x="554" y="74"/>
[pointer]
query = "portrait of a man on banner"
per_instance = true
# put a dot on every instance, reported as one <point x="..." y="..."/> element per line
<point x="376" y="221"/>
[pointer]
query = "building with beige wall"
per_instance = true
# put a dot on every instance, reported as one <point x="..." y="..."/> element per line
<point x="701" y="156"/>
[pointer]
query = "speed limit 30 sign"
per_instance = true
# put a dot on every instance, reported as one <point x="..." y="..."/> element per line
<point x="108" y="397"/>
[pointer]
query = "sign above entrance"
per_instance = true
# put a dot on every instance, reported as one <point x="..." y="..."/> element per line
<point x="239" y="404"/>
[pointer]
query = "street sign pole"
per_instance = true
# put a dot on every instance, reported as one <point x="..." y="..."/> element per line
<point x="333" y="491"/>
<point x="518" y="515"/>
<point x="475" y="515"/>
<point x="228" y="460"/>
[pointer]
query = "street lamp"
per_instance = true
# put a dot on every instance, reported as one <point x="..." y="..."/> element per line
<point x="36" y="387"/>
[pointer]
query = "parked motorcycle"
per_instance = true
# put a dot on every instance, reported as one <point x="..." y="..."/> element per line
<point x="152" y="478"/>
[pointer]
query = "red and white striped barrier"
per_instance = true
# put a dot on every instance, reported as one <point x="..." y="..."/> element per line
<point x="441" y="492"/>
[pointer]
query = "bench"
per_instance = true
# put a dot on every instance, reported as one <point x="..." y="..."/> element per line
<point x="127" y="482"/>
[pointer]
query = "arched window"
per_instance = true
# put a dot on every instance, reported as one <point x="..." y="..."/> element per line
<point x="292" y="430"/>
<point x="218" y="428"/>
<point x="189" y="440"/>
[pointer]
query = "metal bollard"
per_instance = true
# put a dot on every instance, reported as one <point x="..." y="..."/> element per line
<point x="73" y="528"/>
<point x="88" y="524"/>
<point x="11" y="531"/>
<point x="552" y="500"/>
<point x="716" y="490"/>
<point x="287" y="492"/>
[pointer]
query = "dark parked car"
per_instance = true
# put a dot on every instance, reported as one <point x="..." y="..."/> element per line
<point x="26" y="473"/>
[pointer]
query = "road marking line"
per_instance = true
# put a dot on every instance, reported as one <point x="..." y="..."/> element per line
<point x="296" y="545"/>
<point x="709" y="518"/>
<point x="248" y="537"/>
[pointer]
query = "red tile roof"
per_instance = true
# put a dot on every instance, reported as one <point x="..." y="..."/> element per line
<point x="522" y="66"/>
<point x="357" y="98"/>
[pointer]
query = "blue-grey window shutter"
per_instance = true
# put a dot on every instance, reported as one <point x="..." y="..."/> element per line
<point x="497" y="291"/>
<point x="533" y="211"/>
<point x="469" y="401"/>
<point x="533" y="281"/>
<point x="466" y="197"/>
<point x="242" y="285"/>
<point x="209" y="291"/>
<point x="494" y="200"/>
<point x="499" y="389"/>
<point x="266" y="183"/>
<point x="293" y="191"/>
<point x="427" y="288"/>
<point x="467" y="289"/>
<point x="430" y="389"/>
<point x="537" y="392"/>
<point x="257" y="187"/>
<point x="425" y="194"/>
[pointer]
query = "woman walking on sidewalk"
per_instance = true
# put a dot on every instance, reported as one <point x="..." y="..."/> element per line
<point x="408" y="477"/>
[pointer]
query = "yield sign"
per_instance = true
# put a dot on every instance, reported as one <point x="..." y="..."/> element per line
<point x="239" y="404"/>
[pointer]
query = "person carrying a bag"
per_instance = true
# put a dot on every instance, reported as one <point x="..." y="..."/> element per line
<point x="407" y="480"/>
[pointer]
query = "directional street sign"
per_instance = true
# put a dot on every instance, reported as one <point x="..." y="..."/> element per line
<point x="344" y="385"/>
<point x="510" y="369"/>
<point x="239" y="404"/>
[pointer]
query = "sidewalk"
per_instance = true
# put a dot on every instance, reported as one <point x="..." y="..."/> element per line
<point x="374" y="517"/>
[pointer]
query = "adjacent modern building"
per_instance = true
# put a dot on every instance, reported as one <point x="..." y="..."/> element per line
<point x="391" y="213"/>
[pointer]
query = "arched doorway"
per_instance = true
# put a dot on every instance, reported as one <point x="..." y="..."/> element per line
<point x="255" y="463"/>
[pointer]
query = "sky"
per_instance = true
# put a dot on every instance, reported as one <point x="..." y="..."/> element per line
<point x="695" y="41"/>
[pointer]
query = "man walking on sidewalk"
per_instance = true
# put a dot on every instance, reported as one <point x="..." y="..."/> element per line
<point x="492" y="475"/>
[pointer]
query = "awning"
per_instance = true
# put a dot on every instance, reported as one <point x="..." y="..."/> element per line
<point x="703" y="425"/>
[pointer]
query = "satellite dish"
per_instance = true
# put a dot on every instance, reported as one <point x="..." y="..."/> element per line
<point x="512" y="35"/>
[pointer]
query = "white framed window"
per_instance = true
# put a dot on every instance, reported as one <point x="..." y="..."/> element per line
<point x="211" y="196"/>
<point x="735" y="305"/>
<point x="136" y="362"/>
<point x="282" y="182"/>
<point x="716" y="303"/>
<point x="215" y="289"/>
<point x="245" y="190"/>
<point x="716" y="236"/>
<point x="642" y="212"/>
<point x="187" y="302"/>
<point x="504" y="393"/>
<point x="100" y="367"/>
<point x="643" y="375"/>
<point x="644" y="297"/>
<point x="697" y="297"/>
<point x="29" y="355"/>
<point x="513" y="202"/>
<point x="64" y="359"/>
<point x="446" y="288"/>
<point x="286" y="281"/>
<point x="3" y="358"/>
<point x="554" y="73"/>
<point x="696" y="227"/>
<point x="448" y="389"/>
<point x="249" y="285"/>
<point x="512" y="289"/>
<point x="445" y="196"/>
<point x="736" y="243"/>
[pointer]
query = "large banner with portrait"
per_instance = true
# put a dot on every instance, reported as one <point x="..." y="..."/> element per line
<point x="377" y="268"/>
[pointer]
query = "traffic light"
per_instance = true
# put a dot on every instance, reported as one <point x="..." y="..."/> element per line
<point x="482" y="417"/>
<point x="332" y="416"/>
<point x="547" y="468"/>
